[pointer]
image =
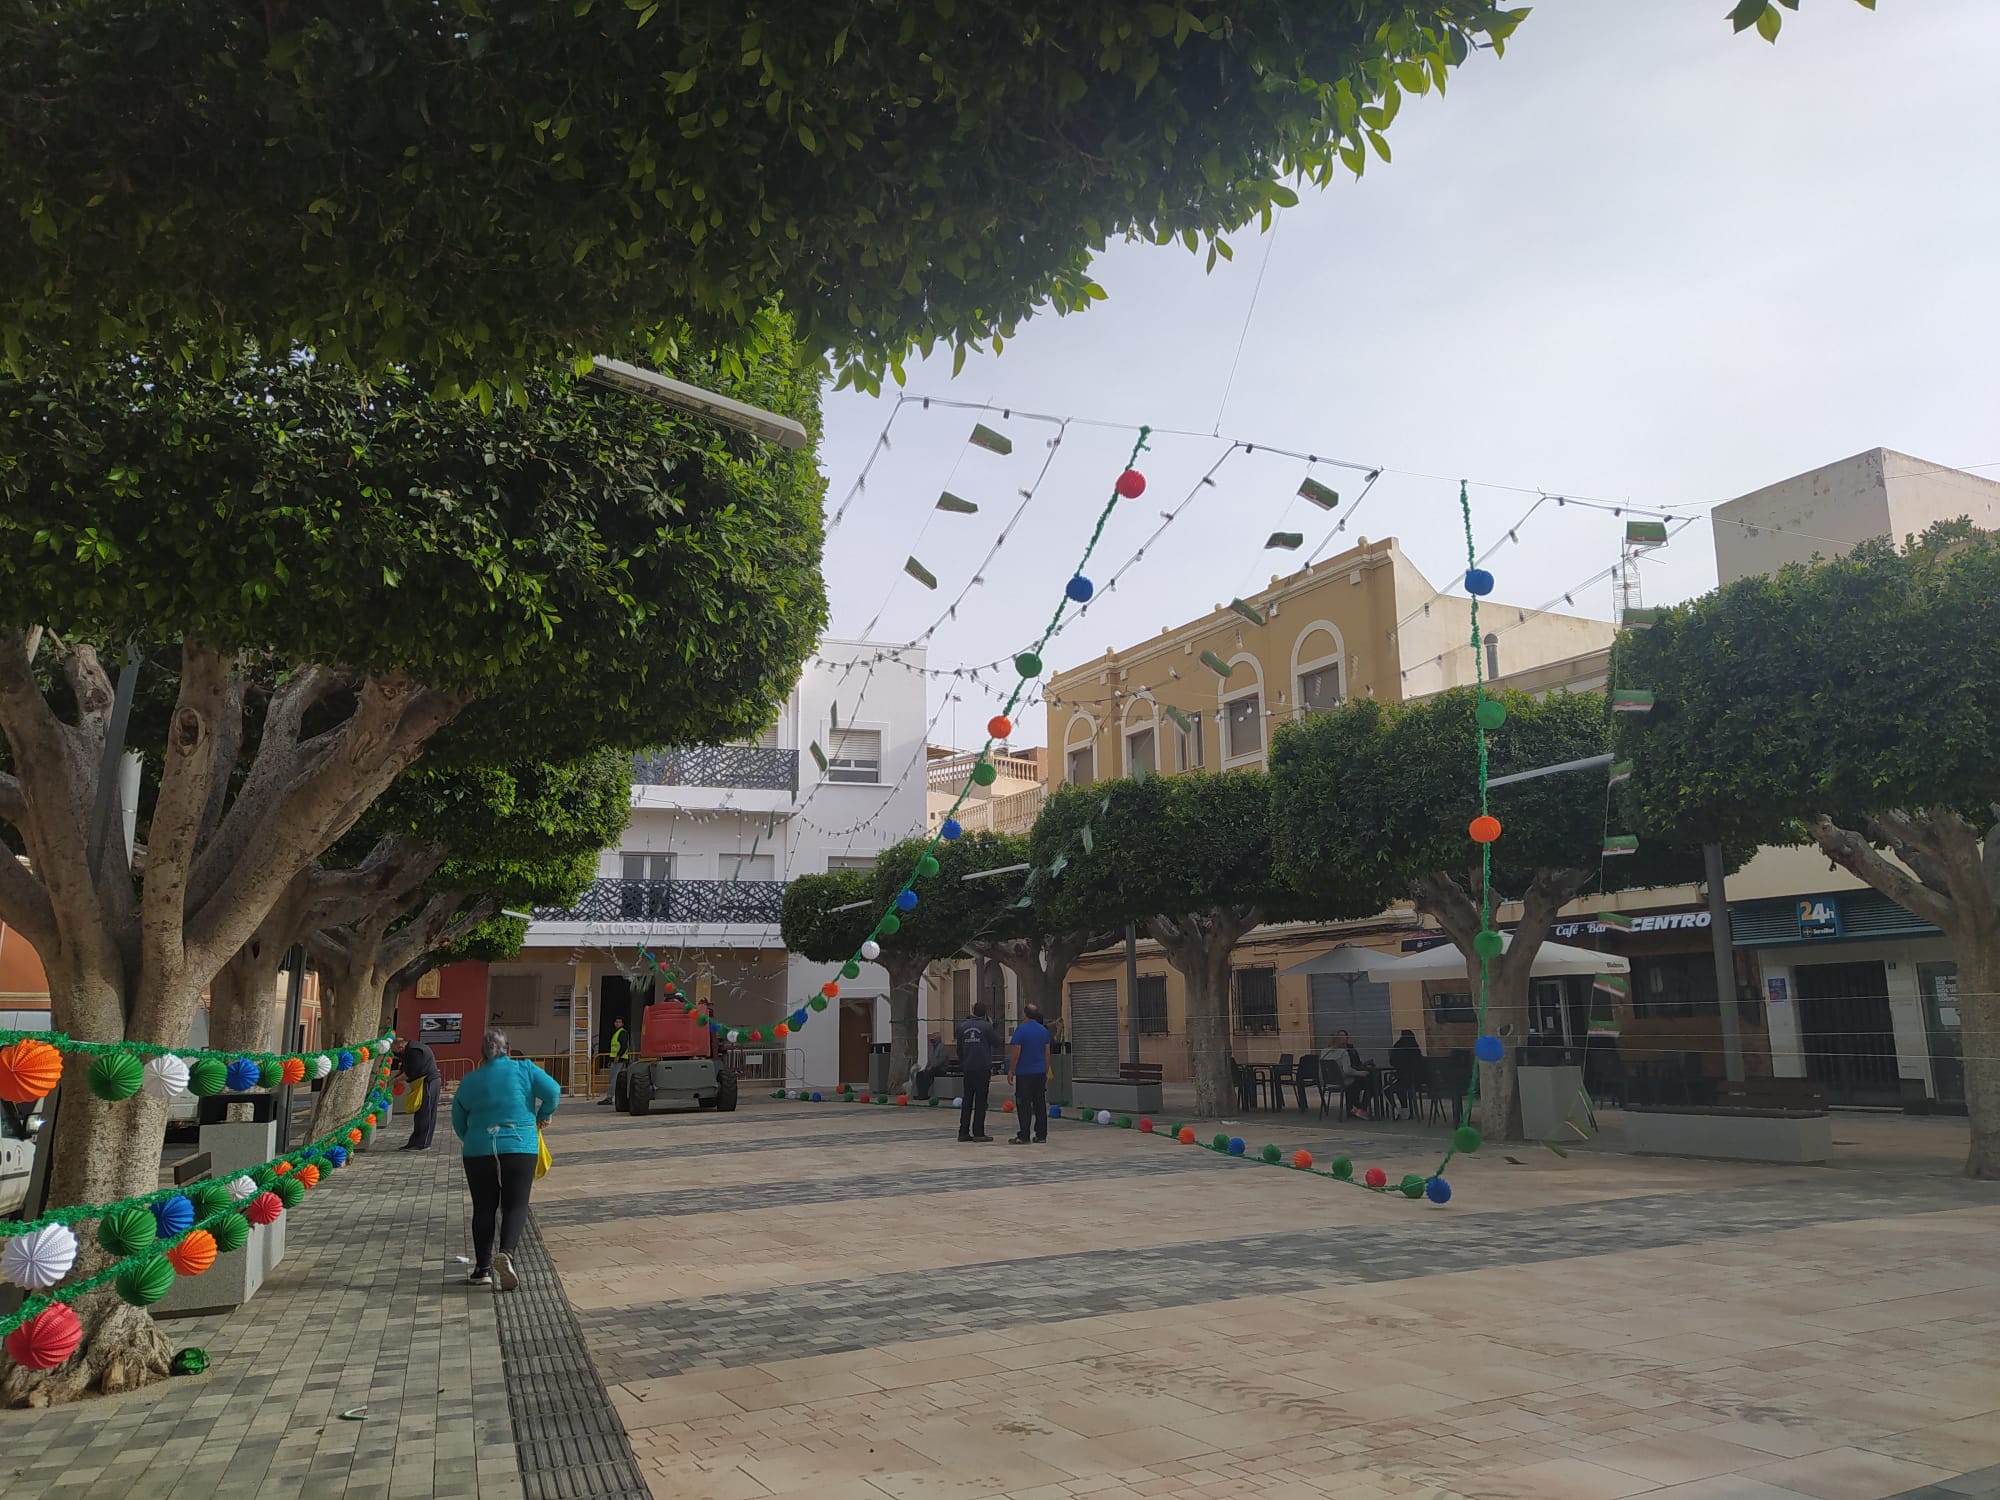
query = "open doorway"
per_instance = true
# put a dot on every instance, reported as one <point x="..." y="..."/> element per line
<point x="1846" y="1034"/>
<point x="857" y="1032"/>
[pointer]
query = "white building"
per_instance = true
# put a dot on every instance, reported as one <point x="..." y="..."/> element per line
<point x="698" y="878"/>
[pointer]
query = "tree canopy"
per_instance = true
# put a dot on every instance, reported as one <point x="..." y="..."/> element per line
<point x="486" y="185"/>
<point x="1854" y="702"/>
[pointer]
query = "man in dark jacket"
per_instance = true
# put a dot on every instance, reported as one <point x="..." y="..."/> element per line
<point x="977" y="1044"/>
<point x="419" y="1067"/>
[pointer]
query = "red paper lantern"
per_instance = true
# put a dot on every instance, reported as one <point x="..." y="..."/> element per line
<point x="1303" y="1160"/>
<point x="1131" y="484"/>
<point x="830" y="989"/>
<point x="667" y="987"/>
<point x="1375" y="1177"/>
<point x="903" y="1099"/>
<point x="264" y="1208"/>
<point x="864" y="1098"/>
<point x="756" y="1036"/>
<point x="999" y="726"/>
<point x="194" y="1254"/>
<point x="292" y="1070"/>
<point x="1484" y="829"/>
<point x="1145" y="1126"/>
<point x="1007" y="1106"/>
<point x="1186" y="1137"/>
<point x="309" y="1175"/>
<point x="28" y="1070"/>
<point x="398" y="1090"/>
<point x="48" y="1338"/>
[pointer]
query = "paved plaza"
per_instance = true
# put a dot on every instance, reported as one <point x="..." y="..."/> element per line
<point x="843" y="1302"/>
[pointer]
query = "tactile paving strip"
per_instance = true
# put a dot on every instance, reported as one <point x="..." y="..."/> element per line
<point x="567" y="1434"/>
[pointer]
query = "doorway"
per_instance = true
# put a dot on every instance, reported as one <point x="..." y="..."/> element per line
<point x="1093" y="1027"/>
<point x="857" y="1033"/>
<point x="1938" y="984"/>
<point x="1355" y="1004"/>
<point x="1845" y="1032"/>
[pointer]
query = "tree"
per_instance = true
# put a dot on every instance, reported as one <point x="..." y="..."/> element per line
<point x="1853" y="703"/>
<point x="1384" y="794"/>
<point x="1763" y="14"/>
<point x="489" y="185"/>
<point x="409" y="578"/>
<point x="1190" y="858"/>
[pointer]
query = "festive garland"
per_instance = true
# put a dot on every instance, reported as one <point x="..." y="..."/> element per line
<point x="158" y="1237"/>
<point x="31" y="1066"/>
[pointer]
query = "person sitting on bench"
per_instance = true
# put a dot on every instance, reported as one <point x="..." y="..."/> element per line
<point x="927" y="1075"/>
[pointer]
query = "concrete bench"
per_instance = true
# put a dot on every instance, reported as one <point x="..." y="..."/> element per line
<point x="1794" y="1137"/>
<point x="1119" y="1095"/>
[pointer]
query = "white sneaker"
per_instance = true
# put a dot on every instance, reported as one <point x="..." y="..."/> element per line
<point x="503" y="1271"/>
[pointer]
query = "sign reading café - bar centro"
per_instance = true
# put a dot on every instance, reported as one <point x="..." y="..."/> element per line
<point x="1661" y="921"/>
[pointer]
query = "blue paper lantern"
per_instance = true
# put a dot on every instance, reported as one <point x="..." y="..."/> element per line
<point x="344" y="1061"/>
<point x="906" y="901"/>
<point x="1438" y="1190"/>
<point x="798" y="1019"/>
<point x="950" y="828"/>
<point x="1055" y="1111"/>
<point x="174" y="1215"/>
<point x="243" y="1075"/>
<point x="1236" y="1147"/>
<point x="1489" y="1049"/>
<point x="1478" y="582"/>
<point x="1080" y="589"/>
<point x="337" y="1155"/>
<point x="816" y="1097"/>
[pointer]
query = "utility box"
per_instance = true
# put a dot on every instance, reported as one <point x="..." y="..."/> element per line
<point x="878" y="1067"/>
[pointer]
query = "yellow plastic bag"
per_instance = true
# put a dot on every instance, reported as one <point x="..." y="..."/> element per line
<point x="413" y="1097"/>
<point x="543" y="1161"/>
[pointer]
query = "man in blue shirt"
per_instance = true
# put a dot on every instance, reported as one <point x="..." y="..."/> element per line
<point x="976" y="1042"/>
<point x="1028" y="1065"/>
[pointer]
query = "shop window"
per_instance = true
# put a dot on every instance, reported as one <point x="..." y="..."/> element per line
<point x="1257" y="1000"/>
<point x="1152" y="1004"/>
<point x="1673" y="984"/>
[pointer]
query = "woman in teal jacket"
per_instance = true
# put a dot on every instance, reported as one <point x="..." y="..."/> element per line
<point x="497" y="1115"/>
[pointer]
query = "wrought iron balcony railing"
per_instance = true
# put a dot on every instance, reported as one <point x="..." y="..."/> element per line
<point x="658" y="901"/>
<point x="749" y="766"/>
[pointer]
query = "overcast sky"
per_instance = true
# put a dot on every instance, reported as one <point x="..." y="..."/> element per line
<point x="1638" y="259"/>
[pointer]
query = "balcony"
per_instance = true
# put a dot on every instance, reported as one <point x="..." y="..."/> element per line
<point x="752" y="767"/>
<point x="705" y="903"/>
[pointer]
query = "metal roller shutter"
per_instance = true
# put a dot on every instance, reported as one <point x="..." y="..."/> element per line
<point x="1361" y="1008"/>
<point x="1093" y="1028"/>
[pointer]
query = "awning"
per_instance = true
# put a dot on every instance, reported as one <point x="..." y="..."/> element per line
<point x="1346" y="958"/>
<point x="1446" y="962"/>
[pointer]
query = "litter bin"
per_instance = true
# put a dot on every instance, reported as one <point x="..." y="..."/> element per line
<point x="1062" y="1064"/>
<point x="878" y="1067"/>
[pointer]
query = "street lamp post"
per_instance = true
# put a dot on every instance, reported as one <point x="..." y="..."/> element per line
<point x="650" y="385"/>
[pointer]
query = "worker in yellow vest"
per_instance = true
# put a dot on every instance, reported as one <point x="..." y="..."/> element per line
<point x="617" y="1051"/>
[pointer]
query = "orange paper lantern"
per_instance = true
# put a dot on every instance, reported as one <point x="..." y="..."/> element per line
<point x="999" y="726"/>
<point x="293" y="1070"/>
<point x="1484" y="829"/>
<point x="781" y="1031"/>
<point x="1303" y="1160"/>
<point x="309" y="1175"/>
<point x="1186" y="1137"/>
<point x="354" y="1137"/>
<point x="830" y="990"/>
<point x="281" y="1169"/>
<point x="28" y="1070"/>
<point x="194" y="1254"/>
<point x="362" y="1053"/>
<point x="371" y="1119"/>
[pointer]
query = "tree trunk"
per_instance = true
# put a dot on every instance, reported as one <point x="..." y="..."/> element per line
<point x="242" y="1002"/>
<point x="1978" y="955"/>
<point x="1199" y="945"/>
<point x="905" y="982"/>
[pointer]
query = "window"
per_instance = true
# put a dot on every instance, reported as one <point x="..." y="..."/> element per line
<point x="747" y="866"/>
<point x="1081" y="768"/>
<point x="1674" y="984"/>
<point x="1190" y="743"/>
<point x="1245" y="729"/>
<point x="1257" y="1000"/>
<point x="513" y="999"/>
<point x="1319" y="689"/>
<point x="859" y="863"/>
<point x="855" y="755"/>
<point x="1139" y="754"/>
<point x="645" y="867"/>
<point x="1492" y="656"/>
<point x="1453" y="1007"/>
<point x="961" y="994"/>
<point x="1152" y="1005"/>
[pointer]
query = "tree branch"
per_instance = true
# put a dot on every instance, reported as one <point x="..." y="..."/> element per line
<point x="185" y="781"/>
<point x="1856" y="855"/>
<point x="228" y="746"/>
<point x="1915" y="844"/>
<point x="13" y="804"/>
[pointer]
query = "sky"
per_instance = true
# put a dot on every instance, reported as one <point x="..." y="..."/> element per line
<point x="1638" y="260"/>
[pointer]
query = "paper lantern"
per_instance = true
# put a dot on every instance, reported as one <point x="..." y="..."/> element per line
<point x="1489" y="1049"/>
<point x="1028" y="664"/>
<point x="337" y="1155"/>
<point x="959" y="1102"/>
<point x="1341" y="1167"/>
<point x="1486" y="943"/>
<point x="292" y="1070"/>
<point x="1490" y="714"/>
<point x="1484" y="829"/>
<point x="1124" y="1122"/>
<point x="1145" y="1125"/>
<point x="863" y="1096"/>
<point x="902" y="1099"/>
<point x="145" y="1282"/>
<point x="116" y="1075"/>
<point x="40" y="1258"/>
<point x="241" y="1189"/>
<point x="270" y="1073"/>
<point x="290" y="1190"/>
<point x="850" y="970"/>
<point x="321" y="1065"/>
<point x="362" y="1055"/>
<point x="343" y="1061"/>
<point x="194" y="1254"/>
<point x="398" y="1090"/>
<point x="207" y="1076"/>
<point x="188" y="1362"/>
<point x="1078" y="590"/>
<point x="50" y="1336"/>
<point x="210" y="1198"/>
<point x="984" y="773"/>
<point x="1055" y="1111"/>
<point x="1185" y="1135"/>
<point x="1413" y="1185"/>
<point x="1131" y="484"/>
<point x="173" y="1217"/>
<point x="830" y="990"/>
<point x="999" y="727"/>
<point x="1478" y="582"/>
<point x="871" y="950"/>
<point x="1303" y="1160"/>
<point x="1104" y="1117"/>
<point x="243" y="1075"/>
<point x="798" y="1019"/>
<point x="1007" y="1106"/>
<point x="781" y="1031"/>
<point x="166" y="1077"/>
<point x="927" y="865"/>
<point x="818" y="1002"/>
<point x="264" y="1208"/>
<point x="1270" y="1154"/>
<point x="816" y="1097"/>
<point x="1220" y="1143"/>
<point x="906" y="900"/>
<point x="126" y="1231"/>
<point x="1438" y="1190"/>
<point x="1375" y="1177"/>
<point x="231" y="1231"/>
<point x="28" y="1070"/>
<point x="890" y="925"/>
<point x="367" y="1132"/>
<point x="281" y="1168"/>
<point x="1236" y="1146"/>
<point x="950" y="829"/>
<point x="309" y="1175"/>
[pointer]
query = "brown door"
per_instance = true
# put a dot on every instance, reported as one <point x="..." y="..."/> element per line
<point x="1845" y="1032"/>
<point x="857" y="1030"/>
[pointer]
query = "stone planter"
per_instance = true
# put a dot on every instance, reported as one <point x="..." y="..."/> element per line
<point x="1793" y="1138"/>
<point x="1116" y="1095"/>
<point x="232" y="1146"/>
<point x="1549" y="1096"/>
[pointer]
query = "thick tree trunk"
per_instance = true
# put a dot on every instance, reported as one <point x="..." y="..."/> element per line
<point x="1978" y="955"/>
<point x="242" y="1003"/>
<point x="1199" y="945"/>
<point x="905" y="984"/>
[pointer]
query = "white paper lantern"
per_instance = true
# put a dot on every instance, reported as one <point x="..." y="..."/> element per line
<point x="39" y="1260"/>
<point x="241" y="1189"/>
<point x="1104" y="1117"/>
<point x="322" y="1065"/>
<point x="166" y="1077"/>
<point x="959" y="1102"/>
<point x="871" y="950"/>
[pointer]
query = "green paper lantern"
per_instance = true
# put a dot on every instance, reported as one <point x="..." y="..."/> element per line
<point x="208" y="1198"/>
<point x="289" y="1190"/>
<point x="818" y="1002"/>
<point x="1221" y="1142"/>
<point x="1343" y="1167"/>
<point x="890" y="925"/>
<point x="1270" y="1154"/>
<point x="231" y="1231"/>
<point x="367" y="1134"/>
<point x="1175" y="1133"/>
<point x="848" y="970"/>
<point x="116" y="1075"/>
<point x="1491" y="713"/>
<point x="1124" y="1122"/>
<point x="146" y="1282"/>
<point x="983" y="773"/>
<point x="127" y="1231"/>
<point x="928" y="865"/>
<point x="206" y="1076"/>
<point x="1028" y="664"/>
<point x="1465" y="1139"/>
<point x="1412" y="1186"/>
<point x="935" y="1101"/>
<point x="189" y="1362"/>
<point x="270" y="1074"/>
<point x="1488" y="943"/>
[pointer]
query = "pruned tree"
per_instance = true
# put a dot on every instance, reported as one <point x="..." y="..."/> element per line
<point x="409" y="578"/>
<point x="1384" y="795"/>
<point x="1855" y="703"/>
<point x="486" y="187"/>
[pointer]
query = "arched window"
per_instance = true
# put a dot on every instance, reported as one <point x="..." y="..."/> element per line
<point x="1141" y="734"/>
<point x="1240" y="714"/>
<point x="1319" y="669"/>
<point x="1080" y="750"/>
